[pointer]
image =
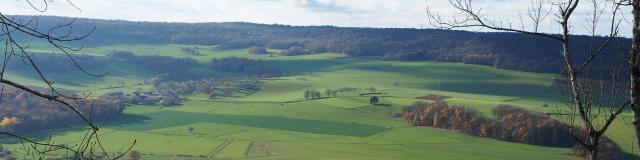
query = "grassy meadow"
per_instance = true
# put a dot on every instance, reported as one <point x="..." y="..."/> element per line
<point x="277" y="123"/>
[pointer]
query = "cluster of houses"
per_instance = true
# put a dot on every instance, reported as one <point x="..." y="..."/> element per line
<point x="144" y="98"/>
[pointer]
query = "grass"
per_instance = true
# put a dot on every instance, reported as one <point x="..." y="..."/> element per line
<point x="275" y="122"/>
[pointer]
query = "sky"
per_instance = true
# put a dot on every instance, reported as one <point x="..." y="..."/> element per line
<point x="345" y="13"/>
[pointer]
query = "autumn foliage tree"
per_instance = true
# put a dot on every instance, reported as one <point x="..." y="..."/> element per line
<point x="62" y="108"/>
<point x="133" y="155"/>
<point x="21" y="112"/>
<point x="511" y="124"/>
<point x="590" y="109"/>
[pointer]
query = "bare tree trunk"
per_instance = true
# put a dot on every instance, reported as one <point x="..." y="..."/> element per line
<point x="587" y="128"/>
<point x="591" y="155"/>
<point x="594" y="148"/>
<point x="634" y="68"/>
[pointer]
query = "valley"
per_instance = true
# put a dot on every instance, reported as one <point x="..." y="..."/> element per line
<point x="277" y="122"/>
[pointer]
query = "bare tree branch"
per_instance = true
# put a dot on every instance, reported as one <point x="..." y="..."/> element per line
<point x="586" y="95"/>
<point x="90" y="146"/>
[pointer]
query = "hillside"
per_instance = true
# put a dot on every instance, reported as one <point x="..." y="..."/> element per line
<point x="255" y="91"/>
<point x="500" y="50"/>
<point x="277" y="122"/>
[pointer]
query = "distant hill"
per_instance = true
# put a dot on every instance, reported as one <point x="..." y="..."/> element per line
<point x="501" y="50"/>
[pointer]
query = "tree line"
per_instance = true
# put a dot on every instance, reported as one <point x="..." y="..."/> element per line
<point x="22" y="112"/>
<point x="511" y="123"/>
<point x="211" y="87"/>
<point x="206" y="86"/>
<point x="312" y="94"/>
<point x="246" y="66"/>
<point x="57" y="63"/>
<point x="168" y="68"/>
<point x="501" y="50"/>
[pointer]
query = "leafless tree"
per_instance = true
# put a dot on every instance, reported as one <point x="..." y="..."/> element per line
<point x="593" y="105"/>
<point x="59" y="36"/>
<point x="634" y="63"/>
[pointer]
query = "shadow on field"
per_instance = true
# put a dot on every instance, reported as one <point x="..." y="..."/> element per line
<point x="166" y="119"/>
<point x="310" y="66"/>
<point x="454" y="77"/>
<point x="498" y="88"/>
<point x="44" y="135"/>
<point x="631" y="156"/>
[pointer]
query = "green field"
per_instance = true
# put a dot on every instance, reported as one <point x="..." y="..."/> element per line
<point x="276" y="123"/>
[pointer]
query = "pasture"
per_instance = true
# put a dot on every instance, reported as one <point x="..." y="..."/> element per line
<point x="277" y="123"/>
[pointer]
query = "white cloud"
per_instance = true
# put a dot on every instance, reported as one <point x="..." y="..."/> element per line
<point x="347" y="6"/>
<point x="357" y="13"/>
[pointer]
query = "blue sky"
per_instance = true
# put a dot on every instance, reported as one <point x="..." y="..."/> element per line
<point x="353" y="13"/>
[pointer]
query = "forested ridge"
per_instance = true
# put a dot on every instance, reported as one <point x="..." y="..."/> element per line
<point x="500" y="50"/>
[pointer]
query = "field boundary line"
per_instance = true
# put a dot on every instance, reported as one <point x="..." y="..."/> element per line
<point x="269" y="149"/>
<point x="220" y="148"/>
<point x="248" y="149"/>
<point x="236" y="132"/>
